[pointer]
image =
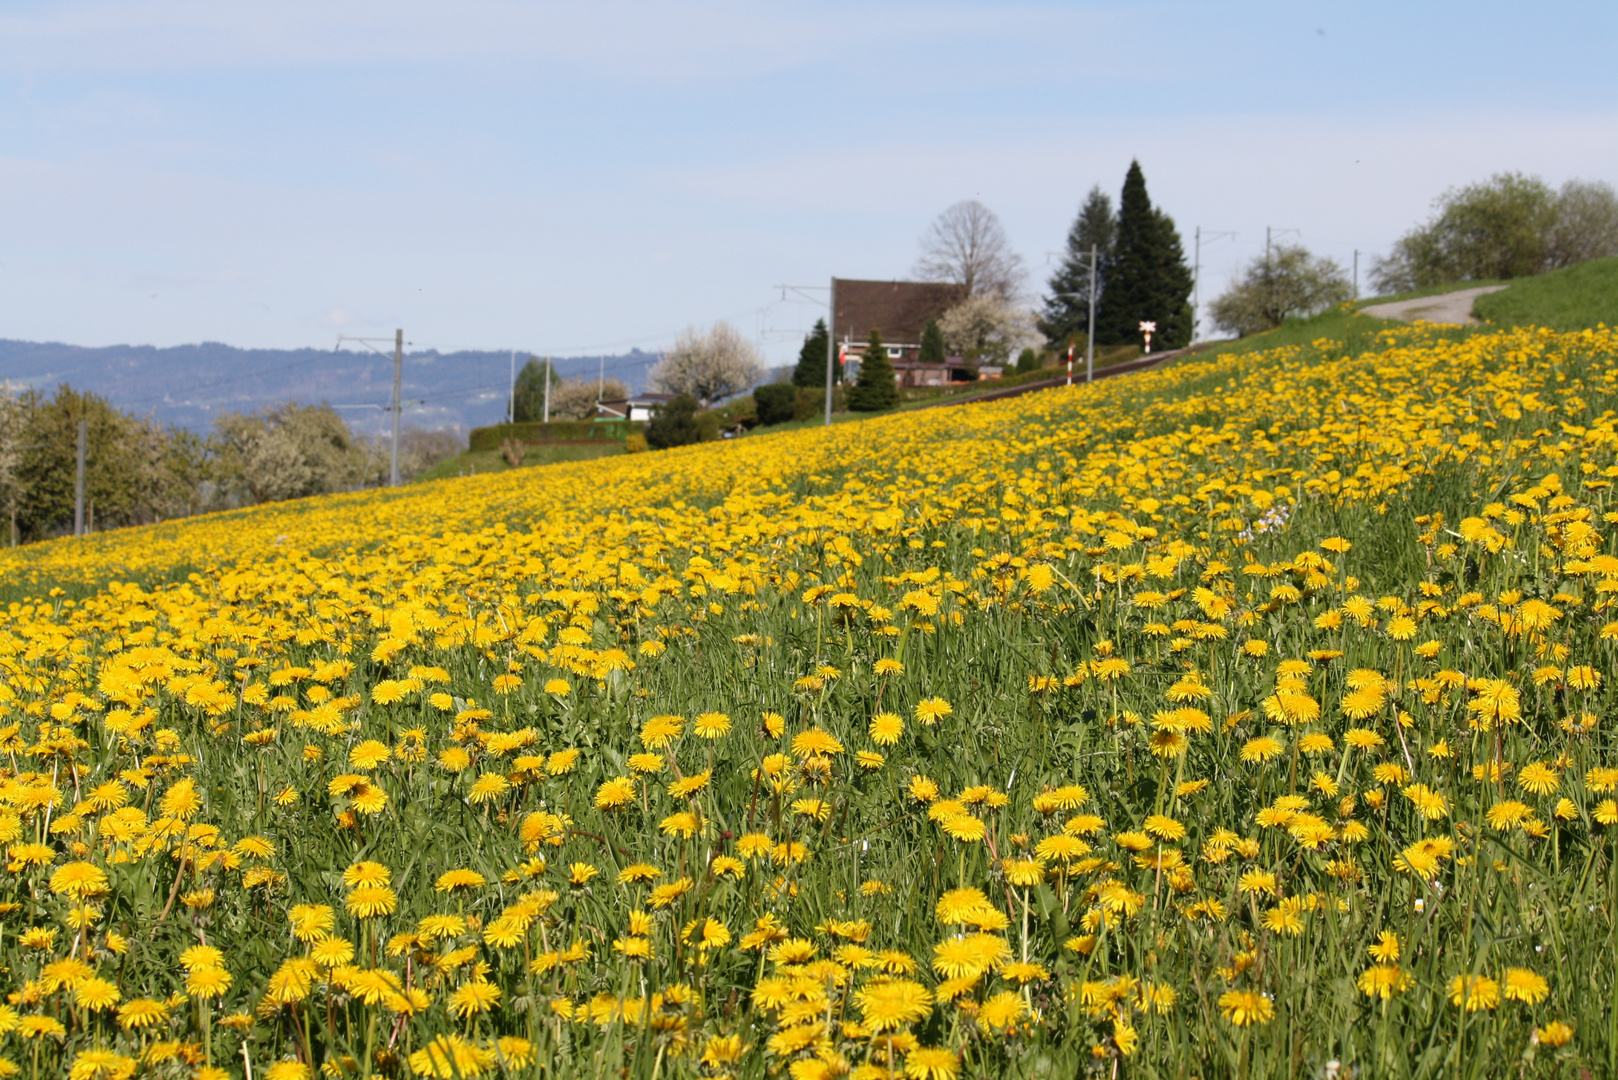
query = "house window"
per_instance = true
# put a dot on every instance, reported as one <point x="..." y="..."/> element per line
<point x="896" y="352"/>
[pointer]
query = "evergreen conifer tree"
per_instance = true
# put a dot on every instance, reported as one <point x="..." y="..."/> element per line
<point x="1066" y="317"/>
<point x="875" y="389"/>
<point x="932" y="344"/>
<point x="810" y="371"/>
<point x="529" y="404"/>
<point x="1146" y="280"/>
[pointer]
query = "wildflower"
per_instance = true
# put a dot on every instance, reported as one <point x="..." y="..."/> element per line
<point x="1164" y="827"/>
<point x="690" y="785"/>
<point x="615" y="794"/>
<point x="489" y="787"/>
<point x="710" y="725"/>
<point x="95" y="994"/>
<point x="887" y="1006"/>
<point x="79" y="880"/>
<point x="141" y="1013"/>
<point x="1474" y="992"/>
<point x="886" y="728"/>
<point x="1386" y="949"/>
<point x="1024" y="873"/>
<point x="683" y="824"/>
<point x="1260" y="749"/>
<point x="1525" y="986"/>
<point x="310" y="921"/>
<point x="371" y="901"/>
<point x="450" y="1057"/>
<point x="473" y="998"/>
<point x="1001" y="1011"/>
<point x="1384" y="980"/>
<point x="922" y="789"/>
<point x="1538" y="778"/>
<point x="1257" y="881"/>
<point x="968" y="956"/>
<point x="1553" y="1034"/>
<point x="1245" y="1007"/>
<point x="331" y="952"/>
<point x="207" y="982"/>
<point x="814" y="742"/>
<point x="926" y="1063"/>
<point x="451" y="880"/>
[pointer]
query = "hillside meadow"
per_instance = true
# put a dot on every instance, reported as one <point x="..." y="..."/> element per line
<point x="1247" y="718"/>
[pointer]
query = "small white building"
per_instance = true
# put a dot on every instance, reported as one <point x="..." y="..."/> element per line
<point x="635" y="408"/>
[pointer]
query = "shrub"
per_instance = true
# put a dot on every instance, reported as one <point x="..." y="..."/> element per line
<point x="636" y="444"/>
<point x="674" y="423"/>
<point x="776" y="403"/>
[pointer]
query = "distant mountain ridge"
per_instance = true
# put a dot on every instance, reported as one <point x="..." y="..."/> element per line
<point x="188" y="385"/>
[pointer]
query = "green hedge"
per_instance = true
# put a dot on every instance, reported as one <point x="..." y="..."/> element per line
<point x="490" y="438"/>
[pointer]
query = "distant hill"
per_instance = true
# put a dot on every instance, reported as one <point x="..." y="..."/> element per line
<point x="188" y="385"/>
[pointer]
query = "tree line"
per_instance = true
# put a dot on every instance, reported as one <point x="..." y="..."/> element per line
<point x="138" y="471"/>
<point x="1130" y="256"/>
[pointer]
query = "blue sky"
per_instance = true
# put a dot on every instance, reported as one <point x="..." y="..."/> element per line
<point x="572" y="178"/>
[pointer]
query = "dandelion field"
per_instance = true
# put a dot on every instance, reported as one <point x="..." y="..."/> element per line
<point x="1251" y="717"/>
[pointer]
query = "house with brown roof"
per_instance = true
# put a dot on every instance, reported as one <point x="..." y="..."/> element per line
<point x="899" y="310"/>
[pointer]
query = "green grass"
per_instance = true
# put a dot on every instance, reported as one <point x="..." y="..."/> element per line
<point x="1577" y="298"/>
<point x="1342" y="324"/>
<point x="478" y="462"/>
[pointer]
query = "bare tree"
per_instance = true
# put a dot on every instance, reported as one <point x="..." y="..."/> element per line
<point x="967" y="246"/>
<point x="708" y="366"/>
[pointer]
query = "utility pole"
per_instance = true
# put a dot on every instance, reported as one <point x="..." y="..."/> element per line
<point x="1269" y="278"/>
<point x="548" y="374"/>
<point x="398" y="377"/>
<point x="1356" y="273"/>
<point x="831" y="330"/>
<point x="831" y="344"/>
<point x="601" y="377"/>
<point x="1090" y="346"/>
<point x="78" y="479"/>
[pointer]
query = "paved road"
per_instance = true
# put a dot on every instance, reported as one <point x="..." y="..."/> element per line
<point x="1455" y="307"/>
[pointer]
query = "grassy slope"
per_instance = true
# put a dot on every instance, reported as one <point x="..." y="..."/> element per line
<point x="1346" y="324"/>
<point x="1577" y="298"/>
<point x="968" y="671"/>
